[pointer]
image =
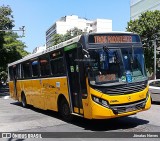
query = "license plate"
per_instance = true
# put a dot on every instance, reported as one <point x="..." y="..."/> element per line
<point x="129" y="109"/>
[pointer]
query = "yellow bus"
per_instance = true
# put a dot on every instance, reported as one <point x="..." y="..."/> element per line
<point x="95" y="76"/>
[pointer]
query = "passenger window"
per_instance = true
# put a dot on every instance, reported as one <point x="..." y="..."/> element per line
<point x="35" y="68"/>
<point x="57" y="63"/>
<point x="57" y="66"/>
<point x="26" y="70"/>
<point x="18" y="71"/>
<point x="44" y="65"/>
<point x="11" y="73"/>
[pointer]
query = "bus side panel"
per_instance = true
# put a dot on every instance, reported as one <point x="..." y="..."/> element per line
<point x="48" y="90"/>
<point x="26" y="87"/>
<point x="36" y="95"/>
<point x="51" y="88"/>
<point x="87" y="103"/>
<point x="18" y="87"/>
<point x="11" y="89"/>
<point x="14" y="90"/>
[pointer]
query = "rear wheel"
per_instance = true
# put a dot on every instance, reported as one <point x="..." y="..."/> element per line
<point x="64" y="110"/>
<point x="24" y="102"/>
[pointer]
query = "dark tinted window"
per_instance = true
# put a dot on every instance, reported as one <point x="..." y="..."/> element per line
<point x="57" y="66"/>
<point x="18" y="71"/>
<point x="26" y="70"/>
<point x="56" y="54"/>
<point x="57" y="63"/>
<point x="35" y="68"/>
<point x="44" y="65"/>
<point x="11" y="72"/>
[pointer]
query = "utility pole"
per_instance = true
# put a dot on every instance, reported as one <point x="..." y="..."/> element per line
<point x="20" y="29"/>
<point x="155" y="49"/>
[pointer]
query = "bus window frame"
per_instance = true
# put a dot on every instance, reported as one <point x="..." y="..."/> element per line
<point x="57" y="58"/>
<point x="39" y="58"/>
<point x="22" y="70"/>
<point x="38" y="67"/>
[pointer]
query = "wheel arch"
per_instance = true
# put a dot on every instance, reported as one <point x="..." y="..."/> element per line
<point x="60" y="98"/>
<point x="23" y="99"/>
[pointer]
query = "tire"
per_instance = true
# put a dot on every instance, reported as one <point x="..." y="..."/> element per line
<point x="64" y="110"/>
<point x="23" y="100"/>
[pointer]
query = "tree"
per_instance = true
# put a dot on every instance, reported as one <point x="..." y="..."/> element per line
<point x="58" y="38"/>
<point x="11" y="49"/>
<point x="72" y="33"/>
<point x="6" y="22"/>
<point x="6" y="18"/>
<point x="148" y="27"/>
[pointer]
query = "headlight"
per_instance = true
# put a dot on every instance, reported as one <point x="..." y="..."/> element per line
<point x="100" y="101"/>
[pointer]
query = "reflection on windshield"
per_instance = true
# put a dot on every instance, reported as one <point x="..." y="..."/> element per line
<point x="119" y="65"/>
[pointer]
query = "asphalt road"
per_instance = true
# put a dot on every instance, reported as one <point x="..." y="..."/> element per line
<point x="15" y="118"/>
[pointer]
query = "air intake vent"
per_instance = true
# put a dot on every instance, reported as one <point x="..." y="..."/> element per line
<point x="123" y="89"/>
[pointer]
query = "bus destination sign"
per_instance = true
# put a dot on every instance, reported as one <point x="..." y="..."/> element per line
<point x="113" y="39"/>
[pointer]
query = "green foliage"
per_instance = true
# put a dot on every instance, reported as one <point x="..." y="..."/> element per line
<point x="3" y="76"/>
<point x="72" y="33"/>
<point x="11" y="49"/>
<point x="148" y="27"/>
<point x="6" y="22"/>
<point x="58" y="38"/>
<point x="6" y="18"/>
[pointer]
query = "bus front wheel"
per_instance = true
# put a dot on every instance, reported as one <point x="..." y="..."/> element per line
<point x="23" y="99"/>
<point x="64" y="110"/>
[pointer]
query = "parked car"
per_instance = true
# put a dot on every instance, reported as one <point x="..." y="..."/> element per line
<point x="154" y="89"/>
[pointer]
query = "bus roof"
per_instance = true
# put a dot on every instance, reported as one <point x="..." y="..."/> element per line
<point x="58" y="46"/>
<point x="62" y="45"/>
<point x="115" y="32"/>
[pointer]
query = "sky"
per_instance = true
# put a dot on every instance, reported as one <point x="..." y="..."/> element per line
<point x="38" y="15"/>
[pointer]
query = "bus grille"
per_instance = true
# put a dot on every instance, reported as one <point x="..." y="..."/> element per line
<point x="118" y="109"/>
<point x="126" y="89"/>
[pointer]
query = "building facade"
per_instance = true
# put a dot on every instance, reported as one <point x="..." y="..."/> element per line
<point x="137" y="7"/>
<point x="69" y="22"/>
<point x="39" y="49"/>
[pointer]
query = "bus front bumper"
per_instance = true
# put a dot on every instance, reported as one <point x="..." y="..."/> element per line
<point x="101" y="112"/>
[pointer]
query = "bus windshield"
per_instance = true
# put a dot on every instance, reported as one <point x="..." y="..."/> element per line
<point x="116" y="65"/>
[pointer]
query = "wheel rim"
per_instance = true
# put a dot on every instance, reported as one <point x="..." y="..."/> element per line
<point x="65" y="109"/>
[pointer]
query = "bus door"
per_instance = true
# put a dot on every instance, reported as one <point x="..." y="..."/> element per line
<point x="15" y="82"/>
<point x="74" y="79"/>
